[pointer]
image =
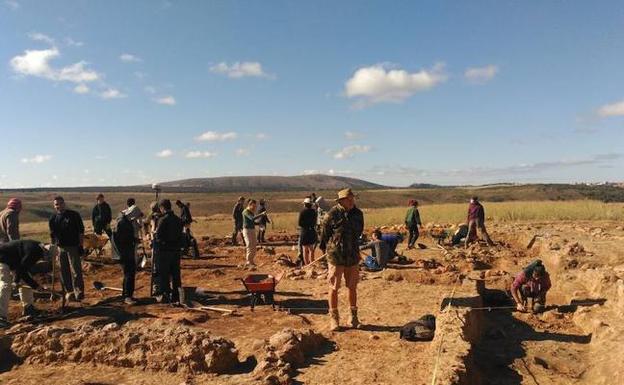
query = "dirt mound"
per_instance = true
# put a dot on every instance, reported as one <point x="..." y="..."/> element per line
<point x="286" y="351"/>
<point x="158" y="346"/>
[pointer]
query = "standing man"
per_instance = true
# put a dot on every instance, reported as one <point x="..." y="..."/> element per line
<point x="413" y="222"/>
<point x="307" y="231"/>
<point x="135" y="215"/>
<point x="67" y="232"/>
<point x="262" y="221"/>
<point x="341" y="231"/>
<point x="9" y="221"/>
<point x="101" y="216"/>
<point x="237" y="216"/>
<point x="249" y="234"/>
<point x="476" y="220"/>
<point x="125" y="243"/>
<point x="16" y="260"/>
<point x="167" y="245"/>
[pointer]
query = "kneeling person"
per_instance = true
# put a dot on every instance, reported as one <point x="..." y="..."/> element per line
<point x="381" y="252"/>
<point x="532" y="282"/>
<point x="16" y="260"/>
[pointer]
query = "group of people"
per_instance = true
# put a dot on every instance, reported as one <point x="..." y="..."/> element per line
<point x="67" y="232"/>
<point x="338" y="235"/>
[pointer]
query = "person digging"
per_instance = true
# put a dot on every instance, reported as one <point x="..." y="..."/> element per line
<point x="532" y="282"/>
<point x="340" y="232"/>
<point x="16" y="260"/>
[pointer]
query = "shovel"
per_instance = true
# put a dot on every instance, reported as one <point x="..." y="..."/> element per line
<point x="101" y="287"/>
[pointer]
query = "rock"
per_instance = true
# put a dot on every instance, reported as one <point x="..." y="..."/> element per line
<point x="113" y="326"/>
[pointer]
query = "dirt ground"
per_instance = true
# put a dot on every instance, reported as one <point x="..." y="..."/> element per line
<point x="578" y="340"/>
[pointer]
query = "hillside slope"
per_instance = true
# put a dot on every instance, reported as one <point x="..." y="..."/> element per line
<point x="270" y="183"/>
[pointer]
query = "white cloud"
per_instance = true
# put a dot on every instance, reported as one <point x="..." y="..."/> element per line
<point x="213" y="136"/>
<point x="81" y="89"/>
<point x="311" y="172"/>
<point x="72" y="43"/>
<point x="37" y="159"/>
<point x="377" y="83"/>
<point x="36" y="63"/>
<point x="480" y="75"/>
<point x="242" y="152"/>
<point x="349" y="151"/>
<point x="129" y="58"/>
<point x="261" y="136"/>
<point x="352" y="135"/>
<point x="613" y="109"/>
<point x="13" y="4"/>
<point x="36" y="36"/>
<point x="240" y="70"/>
<point x="200" y="154"/>
<point x="112" y="93"/>
<point x="166" y="153"/>
<point x="166" y="100"/>
<point x="150" y="89"/>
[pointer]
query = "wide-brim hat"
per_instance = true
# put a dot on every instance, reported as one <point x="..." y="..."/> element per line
<point x="342" y="194"/>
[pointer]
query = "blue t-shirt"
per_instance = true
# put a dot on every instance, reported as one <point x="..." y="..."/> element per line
<point x="391" y="239"/>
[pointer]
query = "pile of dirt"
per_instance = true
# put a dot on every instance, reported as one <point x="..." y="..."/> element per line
<point x="285" y="351"/>
<point x="158" y="346"/>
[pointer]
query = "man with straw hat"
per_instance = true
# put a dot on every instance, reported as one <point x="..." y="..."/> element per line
<point x="340" y="233"/>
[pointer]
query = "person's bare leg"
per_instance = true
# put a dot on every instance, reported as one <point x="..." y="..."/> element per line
<point x="334" y="317"/>
<point x="353" y="297"/>
<point x="471" y="226"/>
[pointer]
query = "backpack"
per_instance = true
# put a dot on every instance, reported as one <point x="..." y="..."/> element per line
<point x="123" y="236"/>
<point x="423" y="329"/>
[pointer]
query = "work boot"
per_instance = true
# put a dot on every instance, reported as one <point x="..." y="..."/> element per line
<point x="354" y="322"/>
<point x="130" y="301"/>
<point x="30" y="311"/>
<point x="334" y="321"/>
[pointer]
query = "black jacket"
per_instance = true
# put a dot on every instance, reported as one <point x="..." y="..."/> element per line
<point x="21" y="255"/>
<point x="168" y="235"/>
<point x="101" y="216"/>
<point x="237" y="214"/>
<point x="66" y="228"/>
<point x="185" y="215"/>
<point x="307" y="218"/>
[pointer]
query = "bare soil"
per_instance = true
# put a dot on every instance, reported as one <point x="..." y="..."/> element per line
<point x="578" y="340"/>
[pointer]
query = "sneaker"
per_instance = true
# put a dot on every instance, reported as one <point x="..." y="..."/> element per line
<point x="334" y="320"/>
<point x="69" y="297"/>
<point x="130" y="301"/>
<point x="4" y="324"/>
<point x="354" y="322"/>
<point x="252" y="267"/>
<point x="30" y="311"/>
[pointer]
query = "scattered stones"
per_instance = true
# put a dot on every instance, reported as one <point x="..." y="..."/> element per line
<point x="284" y="352"/>
<point x="158" y="346"/>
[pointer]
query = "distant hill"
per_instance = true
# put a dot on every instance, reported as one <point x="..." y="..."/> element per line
<point x="315" y="182"/>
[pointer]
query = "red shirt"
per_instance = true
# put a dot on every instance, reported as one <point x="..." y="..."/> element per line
<point x="537" y="286"/>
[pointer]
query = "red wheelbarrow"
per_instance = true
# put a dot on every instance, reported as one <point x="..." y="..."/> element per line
<point x="261" y="287"/>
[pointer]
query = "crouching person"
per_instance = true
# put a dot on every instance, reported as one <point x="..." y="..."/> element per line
<point x="341" y="231"/>
<point x="167" y="246"/>
<point x="16" y="260"/>
<point x="533" y="282"/>
<point x="381" y="252"/>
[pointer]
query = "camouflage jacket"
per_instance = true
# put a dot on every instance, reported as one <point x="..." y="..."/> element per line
<point x="340" y="234"/>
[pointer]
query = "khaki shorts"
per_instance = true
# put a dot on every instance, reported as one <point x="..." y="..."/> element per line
<point x="351" y="275"/>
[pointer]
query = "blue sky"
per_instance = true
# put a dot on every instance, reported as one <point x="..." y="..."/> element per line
<point x="396" y="92"/>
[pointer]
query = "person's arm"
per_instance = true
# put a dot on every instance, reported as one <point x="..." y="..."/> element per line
<point x="367" y="246"/>
<point x="53" y="239"/>
<point x="234" y="212"/>
<point x="359" y="222"/>
<point x="13" y="227"/>
<point x="81" y="229"/>
<point x="417" y="220"/>
<point x="515" y="290"/>
<point x="94" y="215"/>
<point x="326" y="231"/>
<point x="547" y="284"/>
<point x="108" y="214"/>
<point x="408" y="217"/>
<point x="300" y="221"/>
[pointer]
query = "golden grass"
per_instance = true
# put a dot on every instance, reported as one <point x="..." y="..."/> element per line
<point x="221" y="225"/>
